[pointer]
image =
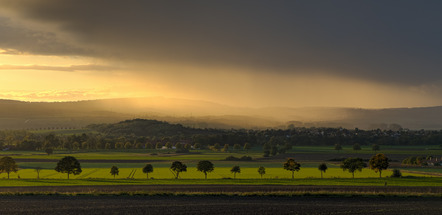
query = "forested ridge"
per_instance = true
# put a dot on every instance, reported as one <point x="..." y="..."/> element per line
<point x="142" y="133"/>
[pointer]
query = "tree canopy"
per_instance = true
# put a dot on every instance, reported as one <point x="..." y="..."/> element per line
<point x="234" y="170"/>
<point x="205" y="167"/>
<point x="114" y="171"/>
<point x="148" y="168"/>
<point x="322" y="167"/>
<point x="69" y="165"/>
<point x="378" y="163"/>
<point x="262" y="171"/>
<point x="8" y="165"/>
<point x="178" y="167"/>
<point x="353" y="164"/>
<point x="292" y="165"/>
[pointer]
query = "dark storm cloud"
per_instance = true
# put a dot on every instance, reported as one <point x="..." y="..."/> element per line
<point x="18" y="40"/>
<point x="392" y="41"/>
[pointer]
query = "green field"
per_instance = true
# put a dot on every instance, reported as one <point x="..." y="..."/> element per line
<point x="133" y="154"/>
<point x="169" y="154"/>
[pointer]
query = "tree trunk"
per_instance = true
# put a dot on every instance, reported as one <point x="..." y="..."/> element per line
<point x="234" y="175"/>
<point x="380" y="173"/>
<point x="205" y="174"/>
<point x="321" y="174"/>
<point x="114" y="176"/>
<point x="353" y="174"/>
<point x="68" y="176"/>
<point x="147" y="175"/>
<point x="177" y="174"/>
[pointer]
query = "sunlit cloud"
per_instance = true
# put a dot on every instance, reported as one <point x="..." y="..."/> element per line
<point x="72" y="68"/>
<point x="57" y="96"/>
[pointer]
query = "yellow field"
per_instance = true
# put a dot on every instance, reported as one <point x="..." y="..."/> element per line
<point x="192" y="173"/>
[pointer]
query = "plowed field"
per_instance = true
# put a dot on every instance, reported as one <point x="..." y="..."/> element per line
<point x="215" y="205"/>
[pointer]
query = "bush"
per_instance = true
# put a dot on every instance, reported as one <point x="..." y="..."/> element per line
<point x="243" y="158"/>
<point x="396" y="173"/>
<point x="246" y="158"/>
<point x="232" y="158"/>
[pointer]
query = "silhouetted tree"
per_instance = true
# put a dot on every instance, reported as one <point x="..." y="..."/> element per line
<point x="148" y="168"/>
<point x="292" y="165"/>
<point x="378" y="163"/>
<point x="205" y="167"/>
<point x="8" y="165"/>
<point x="114" y="171"/>
<point x="261" y="171"/>
<point x="38" y="170"/>
<point x="49" y="151"/>
<point x="178" y="167"/>
<point x="353" y="164"/>
<point x="69" y="165"/>
<point x="396" y="173"/>
<point x="322" y="168"/>
<point x="234" y="170"/>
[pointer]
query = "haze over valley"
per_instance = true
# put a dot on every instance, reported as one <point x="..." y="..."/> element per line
<point x="201" y="114"/>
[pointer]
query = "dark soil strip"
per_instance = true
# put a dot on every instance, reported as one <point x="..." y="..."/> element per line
<point x="214" y="205"/>
<point x="222" y="189"/>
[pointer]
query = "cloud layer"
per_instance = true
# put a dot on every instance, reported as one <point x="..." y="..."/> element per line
<point x="388" y="42"/>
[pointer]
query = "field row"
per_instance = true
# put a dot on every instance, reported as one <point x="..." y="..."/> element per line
<point x="192" y="173"/>
<point x="256" y="152"/>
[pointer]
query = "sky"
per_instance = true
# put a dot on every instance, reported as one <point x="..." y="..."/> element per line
<point x="344" y="53"/>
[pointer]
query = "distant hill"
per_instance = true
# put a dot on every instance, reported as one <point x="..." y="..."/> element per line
<point x="201" y="114"/>
<point x="144" y="127"/>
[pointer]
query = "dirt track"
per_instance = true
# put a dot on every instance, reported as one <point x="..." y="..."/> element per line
<point x="215" y="205"/>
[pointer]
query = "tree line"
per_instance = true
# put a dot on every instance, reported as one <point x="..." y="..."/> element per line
<point x="70" y="165"/>
<point x="151" y="134"/>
